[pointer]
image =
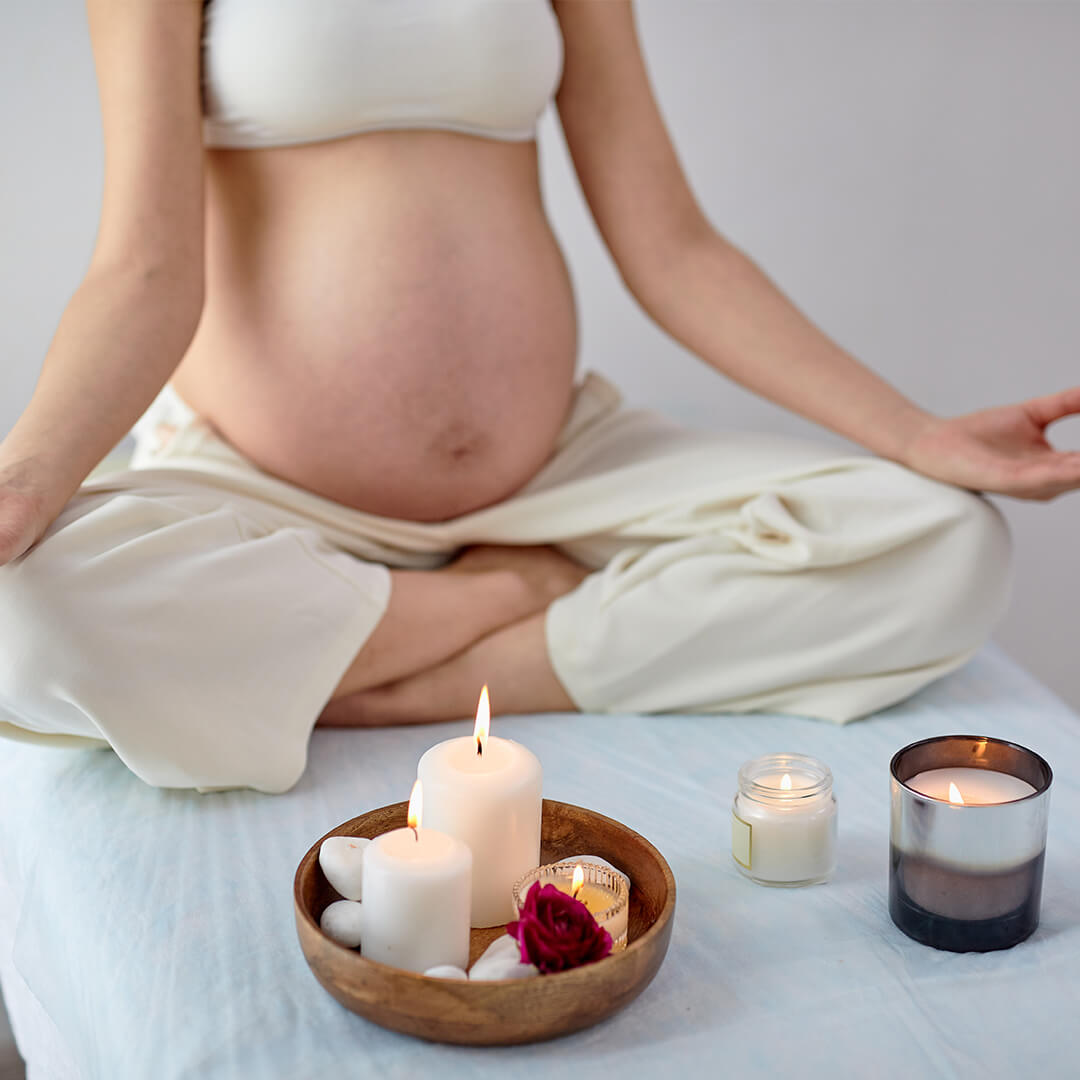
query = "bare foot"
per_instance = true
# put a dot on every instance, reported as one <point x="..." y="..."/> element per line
<point x="514" y="660"/>
<point x="546" y="572"/>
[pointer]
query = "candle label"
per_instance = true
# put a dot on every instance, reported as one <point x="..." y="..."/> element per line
<point x="741" y="840"/>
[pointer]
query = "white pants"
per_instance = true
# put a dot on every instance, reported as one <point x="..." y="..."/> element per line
<point x="196" y="613"/>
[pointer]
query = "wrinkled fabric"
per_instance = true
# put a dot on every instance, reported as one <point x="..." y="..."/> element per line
<point x="147" y="933"/>
<point x="196" y="614"/>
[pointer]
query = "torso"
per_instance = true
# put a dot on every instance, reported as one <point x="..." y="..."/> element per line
<point x="389" y="321"/>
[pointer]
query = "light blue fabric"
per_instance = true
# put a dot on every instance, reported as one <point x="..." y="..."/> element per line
<point x="155" y="927"/>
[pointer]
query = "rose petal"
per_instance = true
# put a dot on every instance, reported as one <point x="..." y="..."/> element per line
<point x="556" y="932"/>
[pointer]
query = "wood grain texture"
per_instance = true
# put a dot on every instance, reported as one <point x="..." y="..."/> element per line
<point x="505" y="1012"/>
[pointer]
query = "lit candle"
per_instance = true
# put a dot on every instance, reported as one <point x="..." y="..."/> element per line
<point x="417" y="888"/>
<point x="783" y="821"/>
<point x="486" y="791"/>
<point x="970" y="787"/>
<point x="968" y="838"/>
<point x="602" y="890"/>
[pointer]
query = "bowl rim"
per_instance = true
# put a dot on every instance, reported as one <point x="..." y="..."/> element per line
<point x="381" y="970"/>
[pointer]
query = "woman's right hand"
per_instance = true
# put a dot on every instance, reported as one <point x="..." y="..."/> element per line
<point x="23" y="517"/>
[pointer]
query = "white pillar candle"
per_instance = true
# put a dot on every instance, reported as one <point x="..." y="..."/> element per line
<point x="783" y="824"/>
<point x="972" y="787"/>
<point x="486" y="791"/>
<point x="417" y="888"/>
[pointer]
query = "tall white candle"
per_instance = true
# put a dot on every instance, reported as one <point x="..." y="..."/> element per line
<point x="417" y="889"/>
<point x="973" y="787"/>
<point x="486" y="791"/>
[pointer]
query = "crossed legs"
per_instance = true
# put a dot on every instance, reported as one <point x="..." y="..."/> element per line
<point x="447" y="632"/>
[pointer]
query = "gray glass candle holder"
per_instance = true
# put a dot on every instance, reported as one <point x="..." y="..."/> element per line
<point x="967" y="878"/>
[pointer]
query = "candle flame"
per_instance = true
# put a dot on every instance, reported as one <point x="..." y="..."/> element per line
<point x="954" y="794"/>
<point x="483" y="721"/>
<point x="579" y="881"/>
<point x="416" y="808"/>
<point x="785" y="782"/>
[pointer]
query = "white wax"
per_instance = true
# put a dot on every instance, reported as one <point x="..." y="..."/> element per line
<point x="977" y="787"/>
<point x="416" y="900"/>
<point x="785" y="843"/>
<point x="492" y="803"/>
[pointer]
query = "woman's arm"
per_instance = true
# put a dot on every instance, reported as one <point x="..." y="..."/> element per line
<point x="129" y="323"/>
<point x="714" y="300"/>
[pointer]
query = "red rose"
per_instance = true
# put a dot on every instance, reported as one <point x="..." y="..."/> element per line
<point x="555" y="932"/>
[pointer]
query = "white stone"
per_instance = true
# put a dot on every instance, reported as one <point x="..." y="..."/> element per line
<point x="501" y="960"/>
<point x="445" y="971"/>
<point x="503" y="945"/>
<point x="342" y="921"/>
<point x="342" y="861"/>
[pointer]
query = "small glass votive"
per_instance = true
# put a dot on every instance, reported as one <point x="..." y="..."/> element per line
<point x="783" y="821"/>
<point x="968" y="840"/>
<point x="604" y="892"/>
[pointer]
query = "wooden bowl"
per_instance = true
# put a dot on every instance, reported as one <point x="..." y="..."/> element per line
<point x="507" y="1011"/>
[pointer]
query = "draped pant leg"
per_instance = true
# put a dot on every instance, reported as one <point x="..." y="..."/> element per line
<point x="191" y="636"/>
<point x="829" y="594"/>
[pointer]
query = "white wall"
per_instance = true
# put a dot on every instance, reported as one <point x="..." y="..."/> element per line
<point x="908" y="171"/>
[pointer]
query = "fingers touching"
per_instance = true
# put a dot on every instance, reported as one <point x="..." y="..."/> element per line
<point x="1045" y="410"/>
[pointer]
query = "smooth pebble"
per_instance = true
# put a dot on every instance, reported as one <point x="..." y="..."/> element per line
<point x="501" y="960"/>
<point x="446" y="971"/>
<point x="341" y="921"/>
<point x="342" y="861"/>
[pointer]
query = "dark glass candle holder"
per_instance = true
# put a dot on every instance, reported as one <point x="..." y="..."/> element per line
<point x="967" y="877"/>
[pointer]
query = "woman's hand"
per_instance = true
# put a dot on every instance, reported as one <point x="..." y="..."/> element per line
<point x="1002" y="450"/>
<point x="23" y="515"/>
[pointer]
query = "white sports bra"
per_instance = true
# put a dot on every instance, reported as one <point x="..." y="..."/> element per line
<point x="277" y="72"/>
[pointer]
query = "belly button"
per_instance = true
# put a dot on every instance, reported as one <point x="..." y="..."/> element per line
<point x="458" y="446"/>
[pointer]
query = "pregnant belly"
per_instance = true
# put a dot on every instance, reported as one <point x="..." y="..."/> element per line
<point x="417" y="366"/>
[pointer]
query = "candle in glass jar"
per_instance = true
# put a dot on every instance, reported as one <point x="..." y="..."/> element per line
<point x="486" y="791"/>
<point x="783" y="825"/>
<point x="968" y="840"/>
<point x="602" y="889"/>
<point x="417" y="890"/>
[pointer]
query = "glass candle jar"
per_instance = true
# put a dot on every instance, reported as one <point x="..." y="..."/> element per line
<point x="968" y="841"/>
<point x="783" y="821"/>
<point x="604" y="892"/>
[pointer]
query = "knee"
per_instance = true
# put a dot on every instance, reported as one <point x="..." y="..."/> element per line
<point x="966" y="569"/>
<point x="38" y="636"/>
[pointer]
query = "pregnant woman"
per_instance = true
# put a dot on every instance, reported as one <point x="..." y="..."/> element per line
<point x="366" y="478"/>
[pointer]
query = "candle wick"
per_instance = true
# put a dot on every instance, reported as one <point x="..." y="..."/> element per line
<point x="479" y="748"/>
<point x="416" y="832"/>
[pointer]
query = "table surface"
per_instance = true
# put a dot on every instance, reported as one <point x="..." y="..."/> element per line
<point x="149" y="933"/>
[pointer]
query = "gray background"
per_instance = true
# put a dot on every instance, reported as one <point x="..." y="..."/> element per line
<point x="908" y="172"/>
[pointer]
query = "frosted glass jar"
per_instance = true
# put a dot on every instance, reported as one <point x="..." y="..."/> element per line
<point x="783" y="821"/>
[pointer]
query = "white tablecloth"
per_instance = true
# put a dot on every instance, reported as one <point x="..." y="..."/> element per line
<point x="149" y="934"/>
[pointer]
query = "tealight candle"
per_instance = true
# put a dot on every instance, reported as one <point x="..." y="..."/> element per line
<point x="783" y="821"/>
<point x="968" y="838"/>
<point x="601" y="889"/>
<point x="417" y="889"/>
<point x="486" y="791"/>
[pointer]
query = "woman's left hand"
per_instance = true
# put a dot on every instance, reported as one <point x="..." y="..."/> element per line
<point x="1002" y="450"/>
